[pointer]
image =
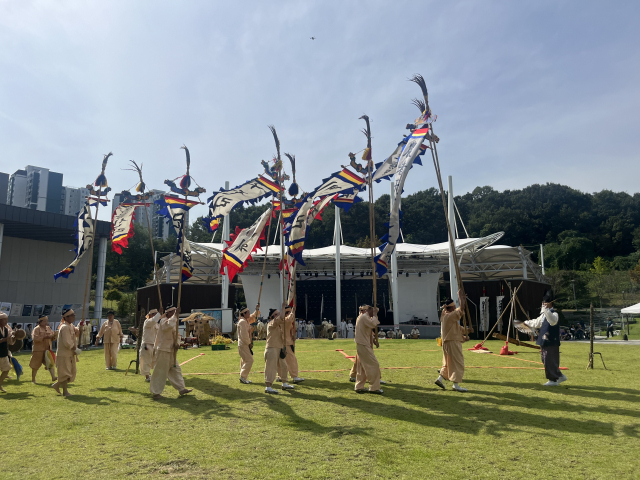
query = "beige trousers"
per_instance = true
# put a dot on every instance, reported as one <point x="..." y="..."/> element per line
<point x="452" y="361"/>
<point x="368" y="368"/>
<point x="354" y="369"/>
<point x="111" y="354"/>
<point x="271" y="357"/>
<point x="146" y="359"/>
<point x="246" y="360"/>
<point x="164" y="368"/>
<point x="288" y="365"/>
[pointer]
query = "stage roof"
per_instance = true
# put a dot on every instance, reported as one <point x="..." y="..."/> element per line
<point x="480" y="259"/>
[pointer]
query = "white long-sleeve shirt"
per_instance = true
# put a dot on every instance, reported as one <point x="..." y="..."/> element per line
<point x="150" y="329"/>
<point x="552" y="318"/>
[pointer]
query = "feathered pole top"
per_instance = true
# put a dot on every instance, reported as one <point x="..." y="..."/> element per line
<point x="185" y="181"/>
<point x="293" y="188"/>
<point x="101" y="181"/>
<point x="125" y="195"/>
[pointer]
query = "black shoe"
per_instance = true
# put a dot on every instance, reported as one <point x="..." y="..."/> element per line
<point x="376" y="392"/>
<point x="352" y="379"/>
<point x="362" y="390"/>
<point x="440" y="384"/>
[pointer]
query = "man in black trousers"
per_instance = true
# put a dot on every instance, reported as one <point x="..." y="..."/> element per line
<point x="549" y="340"/>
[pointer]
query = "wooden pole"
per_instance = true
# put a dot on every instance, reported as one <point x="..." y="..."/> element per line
<point x="590" y="365"/>
<point x="184" y="239"/>
<point x="436" y="164"/>
<point x="372" y="220"/>
<point x="504" y="310"/>
<point x="153" y="255"/>
<point x="266" y="251"/>
<point x="87" y="285"/>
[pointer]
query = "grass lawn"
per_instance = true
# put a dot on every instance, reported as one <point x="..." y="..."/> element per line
<point x="506" y="426"/>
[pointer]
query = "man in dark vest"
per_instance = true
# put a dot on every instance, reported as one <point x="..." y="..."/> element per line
<point x="549" y="340"/>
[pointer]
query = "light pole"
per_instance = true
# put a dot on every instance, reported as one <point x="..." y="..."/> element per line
<point x="575" y="302"/>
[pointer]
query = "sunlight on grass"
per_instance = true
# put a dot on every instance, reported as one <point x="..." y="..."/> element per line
<point x="504" y="426"/>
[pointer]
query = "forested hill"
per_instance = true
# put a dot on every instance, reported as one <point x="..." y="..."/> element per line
<point x="575" y="227"/>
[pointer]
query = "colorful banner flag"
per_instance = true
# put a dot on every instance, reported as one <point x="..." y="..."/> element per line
<point x="242" y="245"/>
<point x="175" y="209"/>
<point x="385" y="170"/>
<point x="342" y="182"/>
<point x="411" y="150"/>
<point x="84" y="236"/>
<point x="347" y="201"/>
<point x="122" y="226"/>
<point x="222" y="202"/>
<point x="318" y="207"/>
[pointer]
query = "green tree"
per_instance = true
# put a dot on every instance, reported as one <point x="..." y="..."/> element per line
<point x="113" y="295"/>
<point x="599" y="278"/>
<point x="118" y="282"/>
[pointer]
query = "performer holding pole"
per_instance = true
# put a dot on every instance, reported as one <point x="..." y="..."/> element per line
<point x="42" y="337"/>
<point x="245" y="342"/>
<point x="549" y="340"/>
<point x="289" y="365"/>
<point x="453" y="335"/>
<point x="368" y="366"/>
<point x="66" y="355"/>
<point x="166" y="367"/>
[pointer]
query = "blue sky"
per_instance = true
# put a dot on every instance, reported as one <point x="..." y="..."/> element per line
<point x="525" y="92"/>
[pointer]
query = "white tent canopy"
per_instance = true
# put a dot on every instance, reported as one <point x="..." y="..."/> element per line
<point x="632" y="310"/>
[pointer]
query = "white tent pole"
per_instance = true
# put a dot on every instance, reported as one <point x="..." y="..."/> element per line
<point x="337" y="235"/>
<point x="542" y="257"/>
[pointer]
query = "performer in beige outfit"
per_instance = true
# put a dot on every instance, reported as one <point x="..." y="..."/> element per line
<point x="42" y="337"/>
<point x="149" y="333"/>
<point x="85" y="334"/>
<point x="165" y="364"/>
<point x="66" y="352"/>
<point x="7" y="338"/>
<point x="290" y="363"/>
<point x="368" y="366"/>
<point x="111" y="330"/>
<point x="273" y="349"/>
<point x="245" y="342"/>
<point x="453" y="334"/>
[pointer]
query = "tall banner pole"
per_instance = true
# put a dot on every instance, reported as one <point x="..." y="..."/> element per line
<point x="87" y="283"/>
<point x="372" y="221"/>
<point x="336" y="235"/>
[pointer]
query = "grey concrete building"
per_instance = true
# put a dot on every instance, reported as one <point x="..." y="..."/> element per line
<point x="36" y="188"/>
<point x="73" y="199"/>
<point x="34" y="245"/>
<point x="4" y="188"/>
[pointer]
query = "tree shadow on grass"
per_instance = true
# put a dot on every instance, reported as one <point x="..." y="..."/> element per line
<point x="452" y="411"/>
<point x="90" y="400"/>
<point x="601" y="393"/>
<point x="16" y="396"/>
<point x="208" y="408"/>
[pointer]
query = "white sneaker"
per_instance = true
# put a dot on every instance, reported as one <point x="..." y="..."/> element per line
<point x="458" y="388"/>
<point x="298" y="380"/>
<point x="563" y="378"/>
<point x="245" y="381"/>
<point x="147" y="379"/>
<point x="551" y="384"/>
<point x="278" y="379"/>
<point x="270" y="390"/>
<point x="286" y="386"/>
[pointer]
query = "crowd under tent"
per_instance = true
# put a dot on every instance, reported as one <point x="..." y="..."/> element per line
<point x="422" y="279"/>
